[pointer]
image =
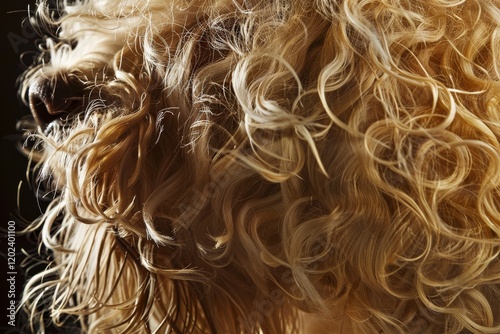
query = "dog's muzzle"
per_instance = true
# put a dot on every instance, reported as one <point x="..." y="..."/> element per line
<point x="50" y="102"/>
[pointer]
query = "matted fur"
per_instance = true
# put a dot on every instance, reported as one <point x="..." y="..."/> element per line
<point x="237" y="164"/>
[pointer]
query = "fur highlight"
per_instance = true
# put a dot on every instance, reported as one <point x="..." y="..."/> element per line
<point x="336" y="158"/>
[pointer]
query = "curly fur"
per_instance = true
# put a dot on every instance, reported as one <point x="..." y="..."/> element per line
<point x="237" y="165"/>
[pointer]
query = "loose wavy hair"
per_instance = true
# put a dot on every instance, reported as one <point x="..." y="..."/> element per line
<point x="230" y="166"/>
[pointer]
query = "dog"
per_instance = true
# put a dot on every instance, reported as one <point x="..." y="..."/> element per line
<point x="267" y="166"/>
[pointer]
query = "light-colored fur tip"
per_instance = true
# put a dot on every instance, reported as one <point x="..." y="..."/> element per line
<point x="268" y="166"/>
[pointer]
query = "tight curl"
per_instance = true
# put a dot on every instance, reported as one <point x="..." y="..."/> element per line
<point x="238" y="165"/>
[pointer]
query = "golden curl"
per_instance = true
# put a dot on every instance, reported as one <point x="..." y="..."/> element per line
<point x="240" y="163"/>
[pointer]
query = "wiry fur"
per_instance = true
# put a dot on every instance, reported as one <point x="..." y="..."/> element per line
<point x="237" y="164"/>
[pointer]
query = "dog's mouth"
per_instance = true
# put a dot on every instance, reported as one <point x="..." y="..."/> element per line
<point x="57" y="105"/>
<point x="27" y="143"/>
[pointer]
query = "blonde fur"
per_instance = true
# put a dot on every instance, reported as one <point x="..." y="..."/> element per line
<point x="239" y="163"/>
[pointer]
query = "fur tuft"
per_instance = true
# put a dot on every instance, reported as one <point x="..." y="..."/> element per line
<point x="235" y="165"/>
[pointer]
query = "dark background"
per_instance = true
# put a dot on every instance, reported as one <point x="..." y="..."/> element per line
<point x="17" y="51"/>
